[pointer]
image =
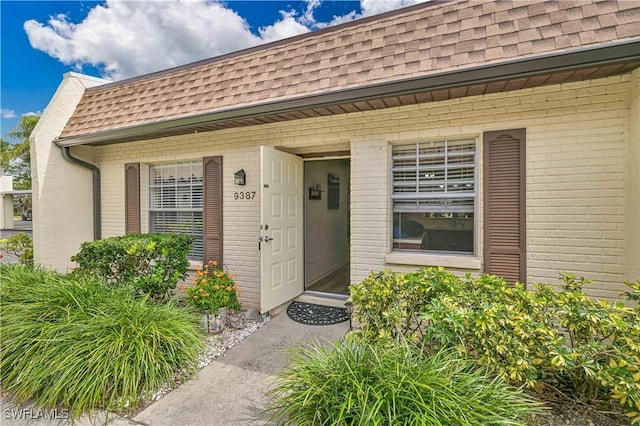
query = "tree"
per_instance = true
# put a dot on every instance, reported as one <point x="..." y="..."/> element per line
<point x="21" y="133"/>
<point x="16" y="157"/>
<point x="5" y="154"/>
<point x="21" y="172"/>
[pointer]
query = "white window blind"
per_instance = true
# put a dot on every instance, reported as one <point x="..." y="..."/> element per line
<point x="175" y="201"/>
<point x="434" y="177"/>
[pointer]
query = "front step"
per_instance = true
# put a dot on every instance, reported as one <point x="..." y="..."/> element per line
<point x="335" y="300"/>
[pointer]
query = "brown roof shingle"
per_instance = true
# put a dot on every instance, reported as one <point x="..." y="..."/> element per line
<point x="417" y="41"/>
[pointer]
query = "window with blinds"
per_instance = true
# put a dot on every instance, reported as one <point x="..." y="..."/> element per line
<point x="175" y="201"/>
<point x="434" y="191"/>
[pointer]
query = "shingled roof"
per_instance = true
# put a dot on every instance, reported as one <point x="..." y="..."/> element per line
<point x="430" y="39"/>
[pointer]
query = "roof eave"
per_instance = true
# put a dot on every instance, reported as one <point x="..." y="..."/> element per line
<point x="612" y="54"/>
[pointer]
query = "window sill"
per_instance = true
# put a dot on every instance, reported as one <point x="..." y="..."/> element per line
<point x="457" y="261"/>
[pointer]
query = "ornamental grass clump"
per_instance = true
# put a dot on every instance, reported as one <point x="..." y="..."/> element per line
<point x="79" y="344"/>
<point x="213" y="289"/>
<point x="354" y="383"/>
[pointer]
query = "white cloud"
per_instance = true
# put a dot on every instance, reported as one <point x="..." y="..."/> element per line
<point x="337" y="20"/>
<point x="31" y="113"/>
<point x="374" y="7"/>
<point x="307" y="18"/>
<point x="368" y="8"/>
<point x="128" y="38"/>
<point x="288" y="26"/>
<point x="7" y="113"/>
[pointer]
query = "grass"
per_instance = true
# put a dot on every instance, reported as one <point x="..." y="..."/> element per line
<point x="79" y="344"/>
<point x="353" y="383"/>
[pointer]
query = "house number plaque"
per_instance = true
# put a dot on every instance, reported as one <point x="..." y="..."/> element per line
<point x="244" y="195"/>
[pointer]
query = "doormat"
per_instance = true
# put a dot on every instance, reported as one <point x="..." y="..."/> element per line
<point x="312" y="314"/>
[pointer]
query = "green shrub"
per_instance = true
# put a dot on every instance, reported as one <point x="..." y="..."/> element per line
<point x="354" y="383"/>
<point x="634" y="294"/>
<point x="389" y="304"/>
<point x="604" y="344"/>
<point x="85" y="346"/>
<point x="21" y="246"/>
<point x="563" y="340"/>
<point x="150" y="263"/>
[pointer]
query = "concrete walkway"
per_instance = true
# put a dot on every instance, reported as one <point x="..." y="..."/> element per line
<point x="230" y="390"/>
<point x="24" y="226"/>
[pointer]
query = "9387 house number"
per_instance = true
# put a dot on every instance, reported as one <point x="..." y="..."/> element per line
<point x="247" y="195"/>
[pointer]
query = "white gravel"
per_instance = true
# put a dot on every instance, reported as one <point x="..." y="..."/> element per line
<point x="237" y="328"/>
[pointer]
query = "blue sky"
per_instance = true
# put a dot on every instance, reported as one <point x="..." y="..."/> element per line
<point x="116" y="39"/>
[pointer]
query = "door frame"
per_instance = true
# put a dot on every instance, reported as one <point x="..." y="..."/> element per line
<point x="325" y="157"/>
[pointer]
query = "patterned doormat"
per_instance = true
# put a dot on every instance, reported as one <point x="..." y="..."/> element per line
<point x="312" y="314"/>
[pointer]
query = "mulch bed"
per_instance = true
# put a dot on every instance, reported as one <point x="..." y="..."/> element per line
<point x="566" y="411"/>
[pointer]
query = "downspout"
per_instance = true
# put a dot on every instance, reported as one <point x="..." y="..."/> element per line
<point x="66" y="153"/>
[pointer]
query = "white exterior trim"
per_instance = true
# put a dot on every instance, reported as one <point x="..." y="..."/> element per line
<point x="454" y="261"/>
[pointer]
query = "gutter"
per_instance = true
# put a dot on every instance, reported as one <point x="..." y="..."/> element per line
<point x="95" y="171"/>
<point x="614" y="54"/>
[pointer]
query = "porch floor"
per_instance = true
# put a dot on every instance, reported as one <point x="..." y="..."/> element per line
<point x="337" y="282"/>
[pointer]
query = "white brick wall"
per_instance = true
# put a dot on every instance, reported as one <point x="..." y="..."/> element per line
<point x="577" y="146"/>
<point x="370" y="206"/>
<point x="633" y="180"/>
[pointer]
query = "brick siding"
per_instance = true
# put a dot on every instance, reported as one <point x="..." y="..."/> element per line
<point x="576" y="166"/>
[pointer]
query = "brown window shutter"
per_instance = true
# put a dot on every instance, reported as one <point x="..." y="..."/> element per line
<point x="504" y="204"/>
<point x="132" y="198"/>
<point x="212" y="214"/>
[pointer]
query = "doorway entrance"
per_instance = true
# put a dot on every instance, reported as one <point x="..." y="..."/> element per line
<point x="327" y="233"/>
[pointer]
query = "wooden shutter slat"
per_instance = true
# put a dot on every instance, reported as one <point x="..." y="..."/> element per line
<point x="504" y="204"/>
<point x="212" y="209"/>
<point x="132" y="198"/>
<point x="502" y="265"/>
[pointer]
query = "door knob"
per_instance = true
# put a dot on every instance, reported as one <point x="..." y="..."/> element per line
<point x="266" y="239"/>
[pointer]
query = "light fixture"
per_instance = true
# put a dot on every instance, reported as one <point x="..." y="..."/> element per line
<point x="240" y="177"/>
<point x="349" y="306"/>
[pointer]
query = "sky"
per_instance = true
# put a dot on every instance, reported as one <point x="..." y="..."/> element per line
<point x="116" y="39"/>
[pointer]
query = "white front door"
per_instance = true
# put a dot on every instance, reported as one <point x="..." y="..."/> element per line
<point x="281" y="245"/>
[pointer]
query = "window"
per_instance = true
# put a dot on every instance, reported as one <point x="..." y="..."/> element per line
<point x="175" y="201"/>
<point x="434" y="191"/>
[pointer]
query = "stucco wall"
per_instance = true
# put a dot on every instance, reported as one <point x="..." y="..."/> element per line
<point x="62" y="192"/>
<point x="577" y="158"/>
